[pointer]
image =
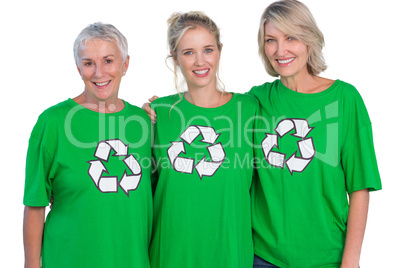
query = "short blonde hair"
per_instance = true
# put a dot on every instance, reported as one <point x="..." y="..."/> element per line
<point x="294" y="19"/>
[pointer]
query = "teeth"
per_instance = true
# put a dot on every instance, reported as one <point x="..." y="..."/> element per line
<point x="202" y="72"/>
<point x="285" y="61"/>
<point x="102" y="84"/>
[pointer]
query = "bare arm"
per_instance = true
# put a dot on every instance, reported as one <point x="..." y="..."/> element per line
<point x="151" y="113"/>
<point x="34" y="218"/>
<point x="357" y="218"/>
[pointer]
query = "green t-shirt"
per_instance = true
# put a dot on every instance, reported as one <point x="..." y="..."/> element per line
<point x="97" y="168"/>
<point x="204" y="160"/>
<point x="313" y="150"/>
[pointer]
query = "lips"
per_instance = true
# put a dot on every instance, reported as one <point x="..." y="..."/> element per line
<point x="201" y="73"/>
<point x="285" y="61"/>
<point x="102" y="84"/>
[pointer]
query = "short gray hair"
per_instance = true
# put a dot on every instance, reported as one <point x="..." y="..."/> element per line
<point x="101" y="31"/>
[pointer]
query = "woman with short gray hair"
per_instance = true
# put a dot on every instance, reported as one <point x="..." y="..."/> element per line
<point x="92" y="155"/>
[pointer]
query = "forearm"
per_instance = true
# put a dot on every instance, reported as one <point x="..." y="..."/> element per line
<point x="356" y="226"/>
<point x="33" y="232"/>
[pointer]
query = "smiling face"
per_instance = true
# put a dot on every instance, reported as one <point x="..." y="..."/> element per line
<point x="198" y="56"/>
<point x="287" y="55"/>
<point x="101" y="67"/>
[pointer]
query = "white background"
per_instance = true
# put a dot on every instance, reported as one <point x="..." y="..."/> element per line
<point x="363" y="47"/>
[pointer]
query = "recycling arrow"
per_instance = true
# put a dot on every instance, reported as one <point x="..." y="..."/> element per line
<point x="207" y="168"/>
<point x="306" y="148"/>
<point x="305" y="145"/>
<point x="103" y="183"/>
<point x="208" y="134"/>
<point x="296" y="164"/>
<point x="190" y="134"/>
<point x="284" y="127"/>
<point x="104" y="147"/>
<point x="273" y="158"/>
<point x="110" y="184"/>
<point x="203" y="167"/>
<point x="302" y="129"/>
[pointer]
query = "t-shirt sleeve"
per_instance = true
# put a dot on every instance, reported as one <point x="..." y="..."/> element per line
<point x="37" y="173"/>
<point x="360" y="163"/>
<point x="251" y="92"/>
<point x="257" y="116"/>
<point x="358" y="158"/>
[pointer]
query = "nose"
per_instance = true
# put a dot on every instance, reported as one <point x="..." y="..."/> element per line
<point x="99" y="72"/>
<point x="281" y="49"/>
<point x="199" y="59"/>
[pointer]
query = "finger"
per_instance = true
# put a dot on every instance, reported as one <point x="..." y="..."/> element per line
<point x="151" y="113"/>
<point x="146" y="106"/>
<point x="153" y="98"/>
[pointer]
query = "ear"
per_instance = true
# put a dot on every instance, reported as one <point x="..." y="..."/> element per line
<point x="79" y="70"/>
<point x="220" y="50"/>
<point x="172" y="54"/>
<point x="125" y="64"/>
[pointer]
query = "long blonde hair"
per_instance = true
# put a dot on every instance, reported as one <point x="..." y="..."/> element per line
<point x="178" y="24"/>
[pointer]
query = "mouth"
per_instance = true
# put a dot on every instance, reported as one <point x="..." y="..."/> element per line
<point x="201" y="73"/>
<point x="285" y="61"/>
<point x="102" y="84"/>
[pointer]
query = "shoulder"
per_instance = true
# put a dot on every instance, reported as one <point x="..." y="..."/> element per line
<point x="50" y="119"/>
<point x="348" y="88"/>
<point x="54" y="113"/>
<point x="348" y="92"/>
<point x="263" y="88"/>
<point x="165" y="101"/>
<point x="352" y="102"/>
<point x="60" y="108"/>
<point x="135" y="110"/>
<point x="247" y="99"/>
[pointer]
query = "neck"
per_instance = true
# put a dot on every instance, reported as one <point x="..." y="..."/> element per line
<point x="113" y="105"/>
<point x="302" y="84"/>
<point x="204" y="99"/>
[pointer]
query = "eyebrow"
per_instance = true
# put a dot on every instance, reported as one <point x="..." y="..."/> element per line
<point x="190" y="48"/>
<point x="105" y="57"/>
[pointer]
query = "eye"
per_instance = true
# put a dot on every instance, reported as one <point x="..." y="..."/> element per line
<point x="291" y="38"/>
<point x="208" y="50"/>
<point x="188" y="53"/>
<point x="108" y="61"/>
<point x="88" y="63"/>
<point x="270" y="40"/>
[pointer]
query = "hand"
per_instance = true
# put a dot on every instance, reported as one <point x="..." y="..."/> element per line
<point x="147" y="108"/>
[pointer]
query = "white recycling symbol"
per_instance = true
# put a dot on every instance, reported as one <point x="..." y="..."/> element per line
<point x="305" y="145"/>
<point x="203" y="167"/>
<point x="110" y="184"/>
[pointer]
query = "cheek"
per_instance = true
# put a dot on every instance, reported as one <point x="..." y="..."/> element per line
<point x="215" y="59"/>
<point x="268" y="51"/>
<point x="86" y="74"/>
<point x="303" y="51"/>
<point x="184" y="65"/>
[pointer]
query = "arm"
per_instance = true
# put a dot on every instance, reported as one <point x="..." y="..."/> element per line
<point x="33" y="231"/>
<point x="357" y="219"/>
<point x="147" y="108"/>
